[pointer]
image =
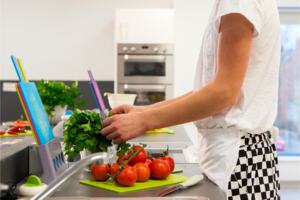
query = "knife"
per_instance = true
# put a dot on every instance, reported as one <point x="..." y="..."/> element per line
<point x="190" y="182"/>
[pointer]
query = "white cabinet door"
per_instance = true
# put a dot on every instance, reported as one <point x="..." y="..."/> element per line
<point x="144" y="26"/>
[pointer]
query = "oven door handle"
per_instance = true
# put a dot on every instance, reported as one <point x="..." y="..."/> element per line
<point x="154" y="88"/>
<point x="145" y="58"/>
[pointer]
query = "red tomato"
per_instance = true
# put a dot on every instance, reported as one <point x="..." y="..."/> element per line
<point x="122" y="159"/>
<point x="143" y="172"/>
<point x="169" y="160"/>
<point x="127" y="177"/>
<point x="140" y="157"/>
<point x="114" y="168"/>
<point x="21" y="123"/>
<point x="100" y="172"/>
<point x="149" y="161"/>
<point x="15" y="130"/>
<point x="159" y="169"/>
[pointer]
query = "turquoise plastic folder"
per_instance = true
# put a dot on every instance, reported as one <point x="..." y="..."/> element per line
<point x="33" y="106"/>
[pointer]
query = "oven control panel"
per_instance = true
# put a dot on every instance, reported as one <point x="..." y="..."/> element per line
<point x="147" y="49"/>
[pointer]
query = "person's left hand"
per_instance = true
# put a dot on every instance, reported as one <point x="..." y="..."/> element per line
<point x="122" y="127"/>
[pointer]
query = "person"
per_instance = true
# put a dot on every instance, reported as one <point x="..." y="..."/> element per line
<point x="234" y="102"/>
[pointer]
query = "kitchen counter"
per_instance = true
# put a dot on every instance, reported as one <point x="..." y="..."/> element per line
<point x="179" y="140"/>
<point x="11" y="145"/>
<point x="72" y="188"/>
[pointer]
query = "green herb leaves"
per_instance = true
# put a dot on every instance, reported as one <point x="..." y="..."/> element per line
<point x="122" y="148"/>
<point x="55" y="93"/>
<point x="82" y="131"/>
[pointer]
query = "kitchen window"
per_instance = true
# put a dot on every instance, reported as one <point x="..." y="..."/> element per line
<point x="288" y="118"/>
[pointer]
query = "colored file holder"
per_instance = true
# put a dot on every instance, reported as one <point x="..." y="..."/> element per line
<point x="97" y="94"/>
<point x="49" y="148"/>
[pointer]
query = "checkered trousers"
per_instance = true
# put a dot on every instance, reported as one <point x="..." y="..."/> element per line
<point x="255" y="176"/>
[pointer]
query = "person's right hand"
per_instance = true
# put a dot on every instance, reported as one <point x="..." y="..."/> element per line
<point x="125" y="108"/>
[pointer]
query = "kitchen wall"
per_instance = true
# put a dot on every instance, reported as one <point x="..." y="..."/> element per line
<point x="1" y="39"/>
<point x="1" y="53"/>
<point x="60" y="39"/>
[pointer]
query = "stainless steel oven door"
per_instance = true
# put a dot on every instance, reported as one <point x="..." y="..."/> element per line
<point x="152" y="69"/>
<point x="147" y="94"/>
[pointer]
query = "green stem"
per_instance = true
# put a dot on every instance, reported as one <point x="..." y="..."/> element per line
<point x="123" y="164"/>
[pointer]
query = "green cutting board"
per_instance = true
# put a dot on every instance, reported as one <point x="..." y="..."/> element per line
<point x="114" y="187"/>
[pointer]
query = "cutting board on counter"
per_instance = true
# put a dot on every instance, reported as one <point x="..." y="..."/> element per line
<point x="114" y="187"/>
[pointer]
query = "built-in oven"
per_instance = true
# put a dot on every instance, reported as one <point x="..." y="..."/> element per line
<point x="145" y="63"/>
<point x="145" y="70"/>
<point x="147" y="94"/>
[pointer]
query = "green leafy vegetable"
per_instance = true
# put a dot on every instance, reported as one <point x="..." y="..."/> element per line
<point x="82" y="131"/>
<point x="54" y="93"/>
<point x="123" y="148"/>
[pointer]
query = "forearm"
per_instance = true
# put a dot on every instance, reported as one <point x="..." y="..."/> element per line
<point x="197" y="105"/>
<point x="167" y="102"/>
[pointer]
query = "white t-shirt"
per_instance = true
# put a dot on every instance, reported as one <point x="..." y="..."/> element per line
<point x="256" y="108"/>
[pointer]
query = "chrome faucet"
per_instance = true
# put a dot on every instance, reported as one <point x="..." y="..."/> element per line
<point x="55" y="184"/>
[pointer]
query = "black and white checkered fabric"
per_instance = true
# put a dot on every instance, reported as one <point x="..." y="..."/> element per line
<point x="255" y="176"/>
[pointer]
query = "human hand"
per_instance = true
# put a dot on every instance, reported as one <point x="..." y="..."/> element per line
<point x="122" y="127"/>
<point x="125" y="108"/>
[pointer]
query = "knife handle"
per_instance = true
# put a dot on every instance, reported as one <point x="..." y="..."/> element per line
<point x="192" y="181"/>
<point x="170" y="190"/>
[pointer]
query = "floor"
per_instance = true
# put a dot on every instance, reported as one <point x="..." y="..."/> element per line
<point x="290" y="191"/>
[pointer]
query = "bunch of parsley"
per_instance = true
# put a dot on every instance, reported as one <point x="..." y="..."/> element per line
<point x="82" y="131"/>
<point x="55" y="93"/>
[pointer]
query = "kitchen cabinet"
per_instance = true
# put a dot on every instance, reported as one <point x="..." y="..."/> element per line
<point x="144" y="26"/>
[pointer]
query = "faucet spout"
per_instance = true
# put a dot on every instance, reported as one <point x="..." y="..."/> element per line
<point x="55" y="184"/>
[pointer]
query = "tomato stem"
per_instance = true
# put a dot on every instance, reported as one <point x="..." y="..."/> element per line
<point x="127" y="160"/>
<point x="166" y="153"/>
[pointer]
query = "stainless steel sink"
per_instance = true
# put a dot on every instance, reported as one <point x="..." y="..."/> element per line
<point x="67" y="174"/>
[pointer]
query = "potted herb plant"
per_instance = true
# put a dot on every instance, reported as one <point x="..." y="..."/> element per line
<point x="57" y="96"/>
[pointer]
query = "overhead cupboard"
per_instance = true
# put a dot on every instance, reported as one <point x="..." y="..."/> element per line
<point x="144" y="25"/>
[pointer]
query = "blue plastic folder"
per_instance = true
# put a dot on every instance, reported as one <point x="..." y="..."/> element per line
<point x="32" y="106"/>
<point x="35" y="110"/>
<point x="49" y="149"/>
